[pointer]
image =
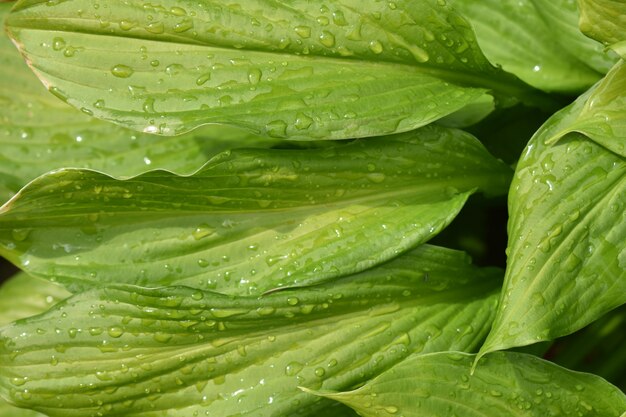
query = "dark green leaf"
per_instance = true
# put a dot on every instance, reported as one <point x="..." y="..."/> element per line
<point x="300" y="70"/>
<point x="250" y="220"/>
<point x="503" y="384"/>
<point x="128" y="351"/>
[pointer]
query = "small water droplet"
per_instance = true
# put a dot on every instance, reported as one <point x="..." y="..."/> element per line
<point x="327" y="39"/>
<point x="122" y="71"/>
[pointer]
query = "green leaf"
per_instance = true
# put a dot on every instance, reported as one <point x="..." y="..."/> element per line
<point x="503" y="384"/>
<point x="514" y="34"/>
<point x="603" y="20"/>
<point x="39" y="133"/>
<point x="300" y="70"/>
<point x="561" y="16"/>
<point x="567" y="230"/>
<point x="130" y="351"/>
<point x="24" y="296"/>
<point x="250" y="220"/>
<point x="598" y="114"/>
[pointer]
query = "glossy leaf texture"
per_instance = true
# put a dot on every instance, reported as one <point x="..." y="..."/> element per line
<point x="598" y="114"/>
<point x="250" y="220"/>
<point x="39" y="133"/>
<point x="515" y="35"/>
<point x="560" y="15"/>
<point x="567" y="230"/>
<point x="174" y="351"/>
<point x="301" y="70"/>
<point x="503" y="384"/>
<point x="604" y="21"/>
<point x="24" y="296"/>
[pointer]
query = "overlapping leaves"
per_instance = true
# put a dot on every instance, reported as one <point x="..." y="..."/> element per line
<point x="567" y="227"/>
<point x="39" y="133"/>
<point x="250" y="220"/>
<point x="603" y="20"/>
<point x="534" y="41"/>
<point x="505" y="383"/>
<point x="300" y="70"/>
<point x="186" y="350"/>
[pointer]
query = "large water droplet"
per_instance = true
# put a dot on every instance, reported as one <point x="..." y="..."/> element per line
<point x="122" y="71"/>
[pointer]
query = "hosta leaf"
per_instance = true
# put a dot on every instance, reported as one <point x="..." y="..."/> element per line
<point x="560" y="15"/>
<point x="24" y="296"/>
<point x="300" y="70"/>
<point x="128" y="351"/>
<point x="604" y="21"/>
<point x="567" y="229"/>
<point x="250" y="220"/>
<point x="503" y="384"/>
<point x="598" y="114"/>
<point x="39" y="133"/>
<point x="514" y="34"/>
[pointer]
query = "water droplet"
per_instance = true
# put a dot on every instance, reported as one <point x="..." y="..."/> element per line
<point x="302" y="121"/>
<point x="155" y="27"/>
<point x="202" y="231"/>
<point x="339" y="19"/>
<point x="327" y="39"/>
<point x="319" y="372"/>
<point x="293" y="368"/>
<point x="303" y="31"/>
<point x="376" y="47"/>
<point x="122" y="71"/>
<point x="254" y="76"/>
<point x="201" y="80"/>
<point x="265" y="311"/>
<point x="292" y="301"/>
<point x="115" y="331"/>
<point x="276" y="129"/>
<point x="58" y="44"/>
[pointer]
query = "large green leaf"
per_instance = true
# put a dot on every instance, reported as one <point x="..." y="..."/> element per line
<point x="39" y="133"/>
<point x="567" y="229"/>
<point x="560" y="15"/>
<point x="24" y="296"/>
<point x="514" y="34"/>
<point x="250" y="220"/>
<point x="604" y="21"/>
<point x="300" y="69"/>
<point x="504" y="384"/>
<point x="128" y="351"/>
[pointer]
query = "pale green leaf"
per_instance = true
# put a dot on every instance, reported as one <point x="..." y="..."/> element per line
<point x="300" y="70"/>
<point x="605" y="21"/>
<point x="250" y="220"/>
<point x="561" y="16"/>
<point x="23" y="296"/>
<point x="514" y="34"/>
<point x="39" y="133"/>
<point x="567" y="230"/>
<point x="598" y="114"/>
<point x="7" y="410"/>
<point x="129" y="351"/>
<point x="503" y="384"/>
